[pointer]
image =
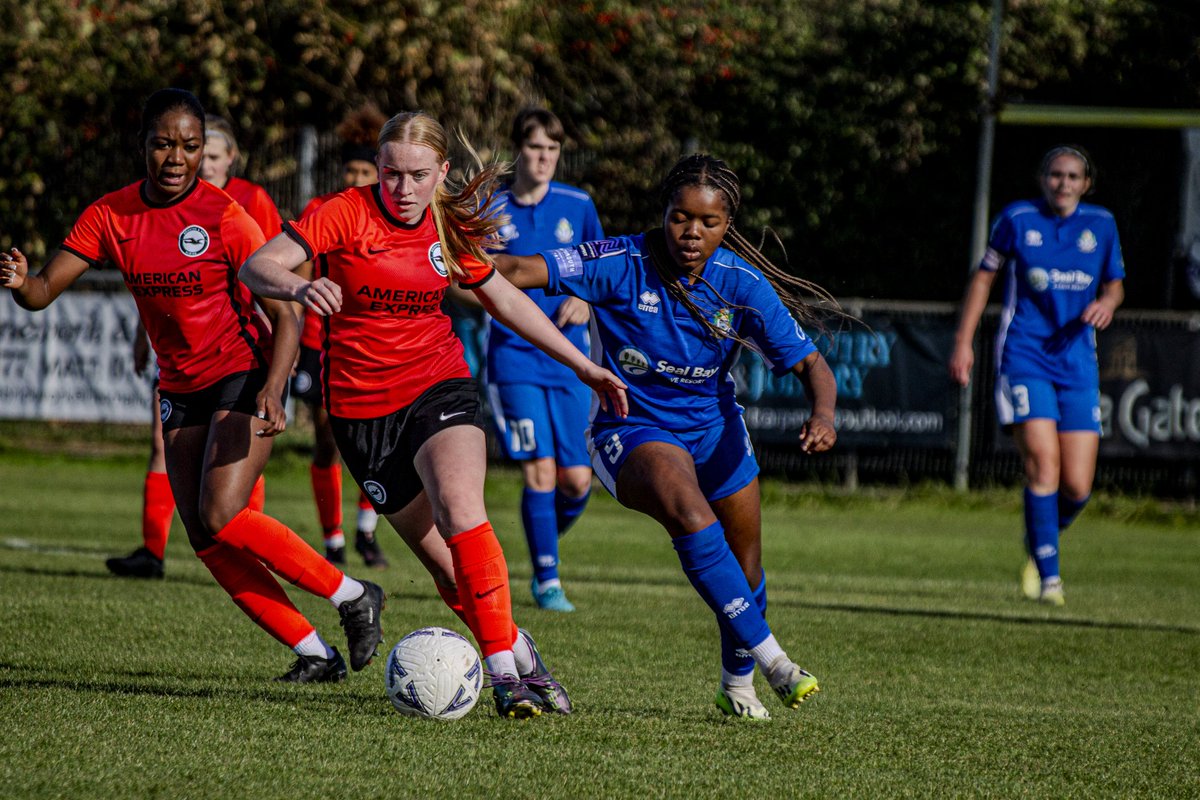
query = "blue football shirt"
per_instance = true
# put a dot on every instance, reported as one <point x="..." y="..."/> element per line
<point x="565" y="216"/>
<point x="677" y="372"/>
<point x="1054" y="267"/>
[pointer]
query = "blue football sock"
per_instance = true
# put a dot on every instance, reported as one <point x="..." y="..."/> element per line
<point x="1041" y="531"/>
<point x="541" y="533"/>
<point x="1069" y="509"/>
<point x="568" y="509"/>
<point x="714" y="572"/>
<point x="735" y="659"/>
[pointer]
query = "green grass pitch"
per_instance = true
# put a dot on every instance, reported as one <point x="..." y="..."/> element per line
<point x="937" y="679"/>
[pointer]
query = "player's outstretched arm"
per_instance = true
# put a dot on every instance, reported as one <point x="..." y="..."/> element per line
<point x="35" y="292"/>
<point x="818" y="433"/>
<point x="285" y="345"/>
<point x="514" y="309"/>
<point x="523" y="272"/>
<point x="271" y="272"/>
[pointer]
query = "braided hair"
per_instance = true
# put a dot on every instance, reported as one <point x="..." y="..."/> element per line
<point x="802" y="298"/>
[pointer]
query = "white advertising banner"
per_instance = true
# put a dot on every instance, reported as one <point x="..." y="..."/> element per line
<point x="72" y="361"/>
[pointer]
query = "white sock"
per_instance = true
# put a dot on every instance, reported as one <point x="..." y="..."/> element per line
<point x="765" y="652"/>
<point x="501" y="663"/>
<point x="336" y="540"/>
<point x="523" y="656"/>
<point x="730" y="681"/>
<point x="313" y="645"/>
<point x="349" y="589"/>
<point x="367" y="520"/>
<point x="550" y="584"/>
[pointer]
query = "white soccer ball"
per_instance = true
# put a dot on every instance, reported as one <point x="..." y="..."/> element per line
<point x="435" y="673"/>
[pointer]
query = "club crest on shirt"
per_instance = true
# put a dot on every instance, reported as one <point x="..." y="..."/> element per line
<point x="723" y="320"/>
<point x="375" y="491"/>
<point x="564" y="232"/>
<point x="193" y="241"/>
<point x="1033" y="238"/>
<point x="436" y="260"/>
<point x="1086" y="242"/>
<point x="632" y="361"/>
<point x="509" y="232"/>
<point x="648" y="301"/>
<point x="1038" y="278"/>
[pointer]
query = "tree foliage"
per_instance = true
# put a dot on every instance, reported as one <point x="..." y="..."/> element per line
<point x="852" y="122"/>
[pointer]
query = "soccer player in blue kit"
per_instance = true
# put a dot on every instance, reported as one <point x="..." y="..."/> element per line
<point x="672" y="308"/>
<point x="1064" y="279"/>
<point x="541" y="409"/>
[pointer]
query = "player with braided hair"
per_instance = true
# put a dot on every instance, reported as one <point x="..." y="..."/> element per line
<point x="673" y="307"/>
<point x="404" y="409"/>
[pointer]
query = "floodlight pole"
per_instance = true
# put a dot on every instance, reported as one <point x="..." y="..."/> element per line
<point x="983" y="188"/>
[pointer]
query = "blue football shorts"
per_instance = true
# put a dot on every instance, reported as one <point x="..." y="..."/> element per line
<point x="543" y="421"/>
<point x="1022" y="399"/>
<point x="723" y="455"/>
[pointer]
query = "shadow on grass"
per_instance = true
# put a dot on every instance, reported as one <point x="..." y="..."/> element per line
<point x="103" y="575"/>
<point x="1056" y="618"/>
<point x="150" y="684"/>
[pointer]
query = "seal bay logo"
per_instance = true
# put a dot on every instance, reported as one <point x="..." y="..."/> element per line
<point x="564" y="232"/>
<point x="1033" y="238"/>
<point x="193" y="241"/>
<point x="1038" y="279"/>
<point x="164" y="409"/>
<point x="1086" y="242"/>
<point x="375" y="491"/>
<point x="632" y="361"/>
<point x="436" y="260"/>
<point x="648" y="301"/>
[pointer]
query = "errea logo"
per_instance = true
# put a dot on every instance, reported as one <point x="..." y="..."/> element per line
<point x="437" y="261"/>
<point x="193" y="241"/>
<point x="1033" y="238"/>
<point x="648" y="301"/>
<point x="736" y="607"/>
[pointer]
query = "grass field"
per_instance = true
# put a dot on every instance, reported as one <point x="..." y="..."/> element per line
<point x="938" y="680"/>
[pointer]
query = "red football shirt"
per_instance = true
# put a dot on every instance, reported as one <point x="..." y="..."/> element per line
<point x="257" y="203"/>
<point x="180" y="262"/>
<point x="390" y="341"/>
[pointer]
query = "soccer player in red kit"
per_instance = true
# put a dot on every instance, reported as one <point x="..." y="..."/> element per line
<point x="404" y="408"/>
<point x="178" y="242"/>
<point x="221" y="156"/>
<point x="358" y="132"/>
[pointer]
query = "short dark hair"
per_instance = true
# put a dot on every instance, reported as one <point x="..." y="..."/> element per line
<point x="536" y="117"/>
<point x="165" y="100"/>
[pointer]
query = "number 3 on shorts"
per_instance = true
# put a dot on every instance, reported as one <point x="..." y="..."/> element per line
<point x="1020" y="397"/>
<point x="613" y="448"/>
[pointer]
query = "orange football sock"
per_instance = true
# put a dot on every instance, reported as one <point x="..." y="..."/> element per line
<point x="482" y="577"/>
<point x="256" y="592"/>
<point x="158" y="507"/>
<point x="284" y="553"/>
<point x="258" y="495"/>
<point x="327" y="492"/>
<point x="450" y="597"/>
